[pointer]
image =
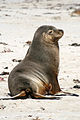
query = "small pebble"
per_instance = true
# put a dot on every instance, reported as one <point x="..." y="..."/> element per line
<point x="14" y="60"/>
<point x="4" y="73"/>
<point x="42" y="108"/>
<point x="37" y="118"/>
<point x="2" y="106"/>
<point x="75" y="44"/>
<point x="29" y="115"/>
<point x="77" y="86"/>
<point x="28" y="42"/>
<point x="76" y="81"/>
<point x="1" y="79"/>
<point x="6" y="68"/>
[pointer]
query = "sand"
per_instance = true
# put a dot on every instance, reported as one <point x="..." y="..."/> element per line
<point x="19" y="19"/>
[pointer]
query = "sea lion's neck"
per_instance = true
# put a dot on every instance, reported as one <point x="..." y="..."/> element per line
<point x="43" y="54"/>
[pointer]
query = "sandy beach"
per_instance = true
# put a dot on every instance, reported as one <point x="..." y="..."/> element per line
<point x="19" y="20"/>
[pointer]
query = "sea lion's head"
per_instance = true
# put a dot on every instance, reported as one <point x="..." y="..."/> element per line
<point x="48" y="34"/>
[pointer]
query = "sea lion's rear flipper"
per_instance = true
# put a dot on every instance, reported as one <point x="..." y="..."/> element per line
<point x="62" y="93"/>
<point x="39" y="96"/>
<point x="21" y="95"/>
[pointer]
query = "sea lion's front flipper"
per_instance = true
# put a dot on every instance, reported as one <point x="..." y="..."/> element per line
<point x="21" y="95"/>
<point x="62" y="93"/>
<point x="39" y="96"/>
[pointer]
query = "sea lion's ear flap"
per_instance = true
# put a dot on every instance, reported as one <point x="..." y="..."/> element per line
<point x="44" y="35"/>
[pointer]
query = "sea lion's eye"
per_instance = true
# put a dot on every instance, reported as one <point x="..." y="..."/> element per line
<point x="50" y="32"/>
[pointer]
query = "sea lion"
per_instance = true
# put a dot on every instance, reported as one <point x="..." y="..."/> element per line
<point x="37" y="74"/>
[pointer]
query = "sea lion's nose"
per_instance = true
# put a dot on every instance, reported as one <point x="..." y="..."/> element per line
<point x="61" y="31"/>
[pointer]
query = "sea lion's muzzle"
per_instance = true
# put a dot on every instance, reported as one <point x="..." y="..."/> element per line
<point x="57" y="35"/>
<point x="60" y="34"/>
<point x="52" y="36"/>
